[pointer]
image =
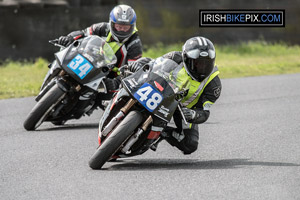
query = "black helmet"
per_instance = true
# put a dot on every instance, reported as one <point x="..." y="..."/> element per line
<point x="198" y="57"/>
<point x="122" y="22"/>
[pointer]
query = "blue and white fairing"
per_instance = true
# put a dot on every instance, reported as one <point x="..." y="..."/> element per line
<point x="155" y="87"/>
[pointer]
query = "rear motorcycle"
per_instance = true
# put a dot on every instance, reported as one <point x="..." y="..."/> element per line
<point x="136" y="116"/>
<point x="70" y="87"/>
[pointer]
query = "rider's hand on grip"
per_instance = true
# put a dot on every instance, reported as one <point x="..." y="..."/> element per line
<point x="122" y="70"/>
<point x="138" y="64"/>
<point x="189" y="114"/>
<point x="111" y="84"/>
<point x="65" y="40"/>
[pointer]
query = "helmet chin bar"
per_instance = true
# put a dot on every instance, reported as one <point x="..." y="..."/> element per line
<point x="202" y="77"/>
<point x="118" y="40"/>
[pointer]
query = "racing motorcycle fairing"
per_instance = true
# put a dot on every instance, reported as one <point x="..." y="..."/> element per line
<point x="155" y="87"/>
<point x="73" y="83"/>
<point x="87" y="60"/>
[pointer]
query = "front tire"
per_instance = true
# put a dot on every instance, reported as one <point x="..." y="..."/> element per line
<point x="113" y="142"/>
<point x="41" y="110"/>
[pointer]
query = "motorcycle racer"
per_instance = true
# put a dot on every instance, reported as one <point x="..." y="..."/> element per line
<point x="197" y="61"/>
<point x="120" y="33"/>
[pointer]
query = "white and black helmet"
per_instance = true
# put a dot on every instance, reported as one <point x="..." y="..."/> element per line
<point x="198" y="57"/>
<point x="122" y="15"/>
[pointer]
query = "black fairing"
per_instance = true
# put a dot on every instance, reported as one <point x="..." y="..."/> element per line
<point x="100" y="57"/>
<point x="76" y="49"/>
<point x="168" y="105"/>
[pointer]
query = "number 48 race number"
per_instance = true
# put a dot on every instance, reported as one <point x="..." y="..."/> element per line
<point x="148" y="96"/>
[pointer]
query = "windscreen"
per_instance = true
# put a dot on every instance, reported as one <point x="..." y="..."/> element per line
<point x="168" y="69"/>
<point x="98" y="51"/>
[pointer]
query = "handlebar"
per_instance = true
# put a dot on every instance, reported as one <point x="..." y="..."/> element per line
<point x="55" y="43"/>
<point x="124" y="71"/>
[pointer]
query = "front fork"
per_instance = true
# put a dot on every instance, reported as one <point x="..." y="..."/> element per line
<point x="59" y="80"/>
<point x="114" y="121"/>
<point x="153" y="135"/>
<point x="136" y="136"/>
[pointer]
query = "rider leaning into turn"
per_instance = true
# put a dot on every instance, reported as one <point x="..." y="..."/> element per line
<point x="120" y="33"/>
<point x="197" y="60"/>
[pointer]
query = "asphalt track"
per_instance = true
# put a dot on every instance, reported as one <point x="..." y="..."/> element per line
<point x="248" y="149"/>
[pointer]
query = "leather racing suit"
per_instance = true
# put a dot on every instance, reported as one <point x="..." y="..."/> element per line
<point x="201" y="96"/>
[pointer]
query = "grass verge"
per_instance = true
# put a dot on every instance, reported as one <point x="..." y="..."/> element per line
<point x="21" y="79"/>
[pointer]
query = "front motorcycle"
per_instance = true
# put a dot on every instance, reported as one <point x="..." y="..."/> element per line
<point x="70" y="88"/>
<point x="138" y="113"/>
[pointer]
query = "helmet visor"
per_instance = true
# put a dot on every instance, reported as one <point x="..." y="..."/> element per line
<point x="122" y="30"/>
<point x="201" y="68"/>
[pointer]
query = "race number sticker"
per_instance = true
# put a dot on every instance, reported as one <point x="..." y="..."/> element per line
<point x="148" y="96"/>
<point x="80" y="66"/>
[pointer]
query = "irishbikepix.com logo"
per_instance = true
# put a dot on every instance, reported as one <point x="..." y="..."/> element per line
<point x="242" y="18"/>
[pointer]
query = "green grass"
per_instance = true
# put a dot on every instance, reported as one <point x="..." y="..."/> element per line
<point x="255" y="58"/>
<point x="21" y="79"/>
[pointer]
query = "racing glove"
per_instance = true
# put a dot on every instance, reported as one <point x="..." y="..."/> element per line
<point x="189" y="114"/>
<point x="196" y="116"/>
<point x="65" y="40"/>
<point x="138" y="64"/>
<point x="112" y="84"/>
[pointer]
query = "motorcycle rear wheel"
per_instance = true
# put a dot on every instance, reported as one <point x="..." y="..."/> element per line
<point x="113" y="142"/>
<point x="41" y="110"/>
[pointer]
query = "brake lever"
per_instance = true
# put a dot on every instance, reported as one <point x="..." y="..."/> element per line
<point x="55" y="43"/>
<point x="183" y="117"/>
<point x="124" y="71"/>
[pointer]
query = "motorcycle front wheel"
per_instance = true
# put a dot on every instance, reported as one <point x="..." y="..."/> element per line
<point x="114" y="141"/>
<point x="41" y="110"/>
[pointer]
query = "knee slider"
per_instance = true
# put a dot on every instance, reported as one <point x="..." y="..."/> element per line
<point x="189" y="147"/>
<point x="190" y="142"/>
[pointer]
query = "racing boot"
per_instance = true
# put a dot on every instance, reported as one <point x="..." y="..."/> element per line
<point x="166" y="133"/>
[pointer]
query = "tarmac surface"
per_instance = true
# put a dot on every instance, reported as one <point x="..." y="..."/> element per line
<point x="248" y="149"/>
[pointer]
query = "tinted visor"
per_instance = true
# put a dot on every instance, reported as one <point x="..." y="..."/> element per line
<point x="200" y="68"/>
